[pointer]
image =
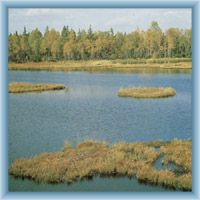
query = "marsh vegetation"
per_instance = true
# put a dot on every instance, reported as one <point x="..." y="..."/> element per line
<point x="105" y="65"/>
<point x="91" y="158"/>
<point x="138" y="92"/>
<point x="33" y="87"/>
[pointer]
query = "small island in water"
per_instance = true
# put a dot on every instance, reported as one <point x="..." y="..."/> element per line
<point x="91" y="158"/>
<point x="33" y="87"/>
<point x="138" y="92"/>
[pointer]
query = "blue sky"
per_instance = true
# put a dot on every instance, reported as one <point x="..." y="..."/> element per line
<point x="122" y="20"/>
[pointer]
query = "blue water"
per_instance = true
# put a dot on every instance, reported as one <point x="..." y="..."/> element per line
<point x="91" y="109"/>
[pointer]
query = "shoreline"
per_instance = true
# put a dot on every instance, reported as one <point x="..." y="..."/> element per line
<point x="101" y="65"/>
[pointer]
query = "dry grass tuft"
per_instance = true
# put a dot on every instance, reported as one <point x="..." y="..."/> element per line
<point x="92" y="158"/>
<point x="138" y="92"/>
<point x="33" y="87"/>
<point x="178" y="152"/>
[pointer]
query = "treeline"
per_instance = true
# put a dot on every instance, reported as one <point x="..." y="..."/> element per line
<point x="85" y="45"/>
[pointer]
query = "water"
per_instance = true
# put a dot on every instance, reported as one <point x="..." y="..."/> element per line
<point x="159" y="165"/>
<point x="91" y="109"/>
<point x="97" y="184"/>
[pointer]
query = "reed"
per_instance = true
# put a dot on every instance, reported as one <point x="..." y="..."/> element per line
<point x="177" y="152"/>
<point x="138" y="92"/>
<point x="92" y="158"/>
<point x="33" y="87"/>
<point x="150" y="61"/>
<point x="105" y="65"/>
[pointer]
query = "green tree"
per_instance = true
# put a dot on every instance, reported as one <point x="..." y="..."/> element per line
<point x="88" y="44"/>
<point x="14" y="48"/>
<point x="172" y="36"/>
<point x="48" y="44"/>
<point x="24" y="46"/>
<point x="56" y="49"/>
<point x="34" y="40"/>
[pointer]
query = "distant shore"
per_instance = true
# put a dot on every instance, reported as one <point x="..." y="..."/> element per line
<point x="105" y="65"/>
<point x="33" y="87"/>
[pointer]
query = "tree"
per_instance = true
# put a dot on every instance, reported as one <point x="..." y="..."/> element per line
<point x="172" y="41"/>
<point x="118" y="41"/>
<point x="65" y="33"/>
<point x="70" y="50"/>
<point x="25" y="48"/>
<point x="46" y="31"/>
<point x="56" y="49"/>
<point x="155" y="26"/>
<point x="24" y="32"/>
<point x="34" y="40"/>
<point x="47" y="43"/>
<point x="90" y="33"/>
<point x="88" y="44"/>
<point x="14" y="48"/>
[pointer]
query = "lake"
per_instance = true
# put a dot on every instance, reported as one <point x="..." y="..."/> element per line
<point x="91" y="109"/>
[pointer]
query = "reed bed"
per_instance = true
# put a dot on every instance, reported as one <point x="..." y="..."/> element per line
<point x="152" y="60"/>
<point x="177" y="152"/>
<point x="104" y="65"/>
<point x="33" y="87"/>
<point x="138" y="92"/>
<point x="92" y="158"/>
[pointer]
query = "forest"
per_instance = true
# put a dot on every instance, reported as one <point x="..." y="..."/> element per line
<point x="35" y="46"/>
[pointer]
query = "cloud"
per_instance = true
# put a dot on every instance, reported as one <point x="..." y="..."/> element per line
<point x="124" y="20"/>
<point x="37" y="11"/>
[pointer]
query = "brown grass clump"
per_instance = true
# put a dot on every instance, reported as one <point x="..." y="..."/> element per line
<point x="92" y="158"/>
<point x="180" y="153"/>
<point x="33" y="87"/>
<point x="137" y="92"/>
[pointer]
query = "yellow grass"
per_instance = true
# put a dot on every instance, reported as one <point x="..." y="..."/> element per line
<point x="33" y="87"/>
<point x="138" y="92"/>
<point x="174" y="151"/>
<point x="92" y="158"/>
<point x="104" y="65"/>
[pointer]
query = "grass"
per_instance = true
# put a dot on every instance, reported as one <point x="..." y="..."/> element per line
<point x="174" y="151"/>
<point x="92" y="158"/>
<point x="33" y="87"/>
<point x="138" y="92"/>
<point x="127" y="65"/>
<point x="150" y="61"/>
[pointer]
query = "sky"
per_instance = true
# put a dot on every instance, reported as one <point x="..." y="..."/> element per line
<point x="121" y="20"/>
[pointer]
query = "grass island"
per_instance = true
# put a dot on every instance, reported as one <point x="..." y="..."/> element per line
<point x="91" y="158"/>
<point x="33" y="87"/>
<point x="139" y="92"/>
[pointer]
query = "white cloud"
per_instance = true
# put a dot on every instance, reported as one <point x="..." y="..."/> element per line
<point x="124" y="20"/>
<point x="37" y="11"/>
